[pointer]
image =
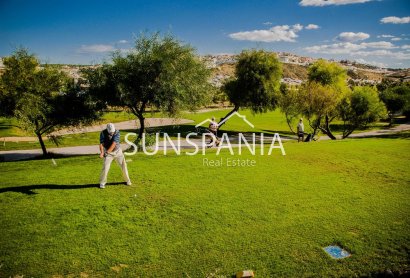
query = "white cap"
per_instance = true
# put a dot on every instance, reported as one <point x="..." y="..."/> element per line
<point x="110" y="128"/>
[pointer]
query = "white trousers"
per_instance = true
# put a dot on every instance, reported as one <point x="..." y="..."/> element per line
<point x="120" y="159"/>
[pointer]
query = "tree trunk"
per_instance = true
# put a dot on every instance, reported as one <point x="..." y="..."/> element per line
<point x="327" y="128"/>
<point x="346" y="133"/>
<point x="43" y="147"/>
<point x="222" y="122"/>
<point x="289" y="122"/>
<point x="142" y="127"/>
<point x="390" y="119"/>
<point x="315" y="127"/>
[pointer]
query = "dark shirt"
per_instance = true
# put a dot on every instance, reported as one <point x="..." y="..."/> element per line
<point x="106" y="139"/>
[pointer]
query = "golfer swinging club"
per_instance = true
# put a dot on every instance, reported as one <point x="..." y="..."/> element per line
<point x="110" y="149"/>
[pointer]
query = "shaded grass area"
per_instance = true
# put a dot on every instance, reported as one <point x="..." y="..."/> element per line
<point x="182" y="218"/>
<point x="9" y="127"/>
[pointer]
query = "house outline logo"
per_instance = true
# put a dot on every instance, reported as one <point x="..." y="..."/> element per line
<point x="243" y="117"/>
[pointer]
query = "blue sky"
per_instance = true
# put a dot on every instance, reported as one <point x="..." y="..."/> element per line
<point x="372" y="31"/>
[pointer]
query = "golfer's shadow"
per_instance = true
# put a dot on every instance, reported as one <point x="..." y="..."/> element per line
<point x="29" y="188"/>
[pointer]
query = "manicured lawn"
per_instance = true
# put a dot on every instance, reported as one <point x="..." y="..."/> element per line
<point x="117" y="116"/>
<point x="181" y="218"/>
<point x="9" y="127"/>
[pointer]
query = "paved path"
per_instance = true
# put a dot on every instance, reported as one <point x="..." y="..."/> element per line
<point x="394" y="129"/>
<point x="83" y="150"/>
<point x="373" y="133"/>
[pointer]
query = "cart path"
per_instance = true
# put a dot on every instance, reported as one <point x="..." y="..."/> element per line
<point x="375" y="133"/>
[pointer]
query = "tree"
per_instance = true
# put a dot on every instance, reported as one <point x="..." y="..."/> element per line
<point x="42" y="99"/>
<point x="101" y="85"/>
<point x="319" y="97"/>
<point x="289" y="104"/>
<point x="159" y="72"/>
<point x="397" y="99"/>
<point x="17" y="78"/>
<point x="257" y="81"/>
<point x="359" y="108"/>
<point x="327" y="73"/>
<point x="318" y="103"/>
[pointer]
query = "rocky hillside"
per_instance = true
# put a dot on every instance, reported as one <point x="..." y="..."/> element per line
<point x="295" y="72"/>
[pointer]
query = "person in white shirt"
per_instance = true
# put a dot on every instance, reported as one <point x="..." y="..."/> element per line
<point x="301" y="130"/>
<point x="213" y="128"/>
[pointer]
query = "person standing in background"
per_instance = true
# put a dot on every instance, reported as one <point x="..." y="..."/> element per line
<point x="301" y="130"/>
<point x="213" y="128"/>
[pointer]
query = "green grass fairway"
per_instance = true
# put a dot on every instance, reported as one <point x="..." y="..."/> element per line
<point x="183" y="219"/>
